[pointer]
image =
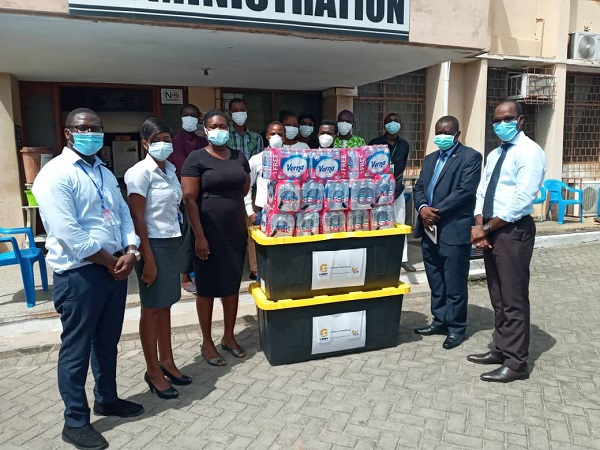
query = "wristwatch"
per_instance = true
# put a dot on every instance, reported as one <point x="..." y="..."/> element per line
<point x="486" y="228"/>
<point x="136" y="253"/>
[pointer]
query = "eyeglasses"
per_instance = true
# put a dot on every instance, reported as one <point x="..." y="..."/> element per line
<point x="496" y="120"/>
<point x="86" y="129"/>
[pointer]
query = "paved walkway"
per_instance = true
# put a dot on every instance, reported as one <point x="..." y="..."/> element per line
<point x="416" y="395"/>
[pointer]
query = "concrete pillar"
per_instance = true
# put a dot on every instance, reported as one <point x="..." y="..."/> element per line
<point x="11" y="214"/>
<point x="550" y="126"/>
<point x="474" y="105"/>
<point x="336" y="100"/>
<point x="434" y="103"/>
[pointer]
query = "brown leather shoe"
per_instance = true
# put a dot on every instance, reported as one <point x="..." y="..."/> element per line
<point x="485" y="358"/>
<point x="504" y="375"/>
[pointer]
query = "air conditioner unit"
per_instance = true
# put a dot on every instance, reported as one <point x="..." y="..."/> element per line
<point x="526" y="86"/>
<point x="590" y="197"/>
<point x="585" y="46"/>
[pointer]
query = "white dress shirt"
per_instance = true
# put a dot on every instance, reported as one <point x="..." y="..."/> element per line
<point x="521" y="176"/>
<point x="72" y="196"/>
<point x="262" y="184"/>
<point x="162" y="192"/>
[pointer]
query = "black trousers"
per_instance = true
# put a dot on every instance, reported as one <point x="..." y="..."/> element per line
<point x="447" y="270"/>
<point x="91" y="304"/>
<point x="507" y="271"/>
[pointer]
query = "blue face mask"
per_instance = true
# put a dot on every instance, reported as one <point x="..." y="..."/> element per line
<point x="88" y="144"/>
<point x="393" y="127"/>
<point x="160" y="150"/>
<point x="506" y="131"/>
<point x="217" y="137"/>
<point x="443" y="141"/>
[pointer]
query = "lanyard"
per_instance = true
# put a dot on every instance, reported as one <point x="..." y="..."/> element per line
<point x="98" y="189"/>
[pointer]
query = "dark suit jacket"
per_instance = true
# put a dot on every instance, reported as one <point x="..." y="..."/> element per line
<point x="453" y="195"/>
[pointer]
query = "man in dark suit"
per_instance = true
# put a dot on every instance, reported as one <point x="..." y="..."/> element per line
<point x="445" y="197"/>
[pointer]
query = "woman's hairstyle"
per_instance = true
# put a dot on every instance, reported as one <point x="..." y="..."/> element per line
<point x="153" y="126"/>
<point x="214" y="112"/>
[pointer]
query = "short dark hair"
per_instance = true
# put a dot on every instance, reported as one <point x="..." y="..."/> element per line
<point x="332" y="123"/>
<point x="153" y="126"/>
<point x="214" y="112"/>
<point x="451" y="120"/>
<point x="284" y="114"/>
<point x="236" y="100"/>
<point x="518" y="106"/>
<point x="390" y="115"/>
<point x="303" y="116"/>
<point x="275" y="122"/>
<point x="188" y="106"/>
<point x="76" y="111"/>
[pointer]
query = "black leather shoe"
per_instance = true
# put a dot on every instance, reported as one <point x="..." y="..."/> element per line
<point x="485" y="358"/>
<point x="183" y="380"/>
<point x="408" y="267"/>
<point x="431" y="330"/>
<point x="84" y="437"/>
<point x="120" y="408"/>
<point x="453" y="340"/>
<point x="504" y="375"/>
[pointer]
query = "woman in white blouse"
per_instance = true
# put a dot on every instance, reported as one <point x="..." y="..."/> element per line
<point x="153" y="195"/>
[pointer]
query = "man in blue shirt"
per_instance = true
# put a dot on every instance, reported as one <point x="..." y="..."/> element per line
<point x="505" y="230"/>
<point x="445" y="197"/>
<point x="92" y="248"/>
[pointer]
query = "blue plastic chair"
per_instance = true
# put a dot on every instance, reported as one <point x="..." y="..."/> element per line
<point x="541" y="199"/>
<point x="25" y="258"/>
<point x="555" y="190"/>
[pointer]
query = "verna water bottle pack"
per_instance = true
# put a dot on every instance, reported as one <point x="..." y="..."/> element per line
<point x="358" y="220"/>
<point x="385" y="188"/>
<point x="286" y="164"/>
<point x="328" y="164"/>
<point x="362" y="194"/>
<point x="382" y="217"/>
<point x="337" y="193"/>
<point x="333" y="222"/>
<point x="285" y="195"/>
<point x="313" y="196"/>
<point x="278" y="223"/>
<point x="308" y="223"/>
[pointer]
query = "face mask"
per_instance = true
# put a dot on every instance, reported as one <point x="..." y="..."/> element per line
<point x="291" y="132"/>
<point x="325" y="141"/>
<point x="306" y="130"/>
<point x="344" y="128"/>
<point x="217" y="137"/>
<point x="160" y="150"/>
<point x="275" y="141"/>
<point x="239" y="118"/>
<point x="393" y="127"/>
<point x="88" y="144"/>
<point x="506" y="131"/>
<point x="189" y="123"/>
<point x="443" y="141"/>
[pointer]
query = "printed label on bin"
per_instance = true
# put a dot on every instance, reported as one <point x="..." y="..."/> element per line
<point x="339" y="332"/>
<point x="341" y="268"/>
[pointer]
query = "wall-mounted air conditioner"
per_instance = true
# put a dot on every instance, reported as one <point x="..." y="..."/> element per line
<point x="531" y="86"/>
<point x="585" y="46"/>
<point x="590" y="197"/>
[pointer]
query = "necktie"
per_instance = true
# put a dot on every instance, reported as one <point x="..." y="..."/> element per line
<point x="436" y="174"/>
<point x="488" y="202"/>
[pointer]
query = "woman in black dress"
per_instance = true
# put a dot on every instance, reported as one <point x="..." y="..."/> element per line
<point x="214" y="181"/>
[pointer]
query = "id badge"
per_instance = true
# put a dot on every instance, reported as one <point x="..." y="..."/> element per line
<point x="180" y="217"/>
<point x="392" y="167"/>
<point x="108" y="218"/>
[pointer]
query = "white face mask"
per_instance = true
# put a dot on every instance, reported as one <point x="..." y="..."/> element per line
<point x="239" y="118"/>
<point x="306" y="130"/>
<point x="275" y="141"/>
<point x="325" y="140"/>
<point x="344" y="128"/>
<point x="291" y="132"/>
<point x="189" y="123"/>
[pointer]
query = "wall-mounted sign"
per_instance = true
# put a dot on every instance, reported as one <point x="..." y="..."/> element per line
<point x="388" y="19"/>
<point x="171" y="96"/>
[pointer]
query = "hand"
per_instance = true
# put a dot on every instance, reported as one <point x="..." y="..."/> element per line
<point x="429" y="215"/>
<point x="202" y="249"/>
<point x="253" y="218"/>
<point x="124" y="267"/>
<point x="428" y="223"/>
<point x="477" y="233"/>
<point x="149" y="273"/>
<point x="483" y="243"/>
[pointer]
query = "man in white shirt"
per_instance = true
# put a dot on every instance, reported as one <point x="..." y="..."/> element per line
<point x="259" y="189"/>
<point x="92" y="247"/>
<point x="505" y="230"/>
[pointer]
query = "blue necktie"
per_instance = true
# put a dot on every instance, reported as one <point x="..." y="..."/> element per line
<point x="488" y="201"/>
<point x="436" y="174"/>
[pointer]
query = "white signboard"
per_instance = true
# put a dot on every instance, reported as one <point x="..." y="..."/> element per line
<point x="387" y="19"/>
<point x="339" y="332"/>
<point x="171" y="96"/>
<point x="340" y="268"/>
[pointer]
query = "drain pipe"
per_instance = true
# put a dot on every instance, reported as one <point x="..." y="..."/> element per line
<point x="446" y="67"/>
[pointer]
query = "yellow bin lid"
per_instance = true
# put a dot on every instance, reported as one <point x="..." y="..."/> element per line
<point x="265" y="304"/>
<point x="262" y="239"/>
